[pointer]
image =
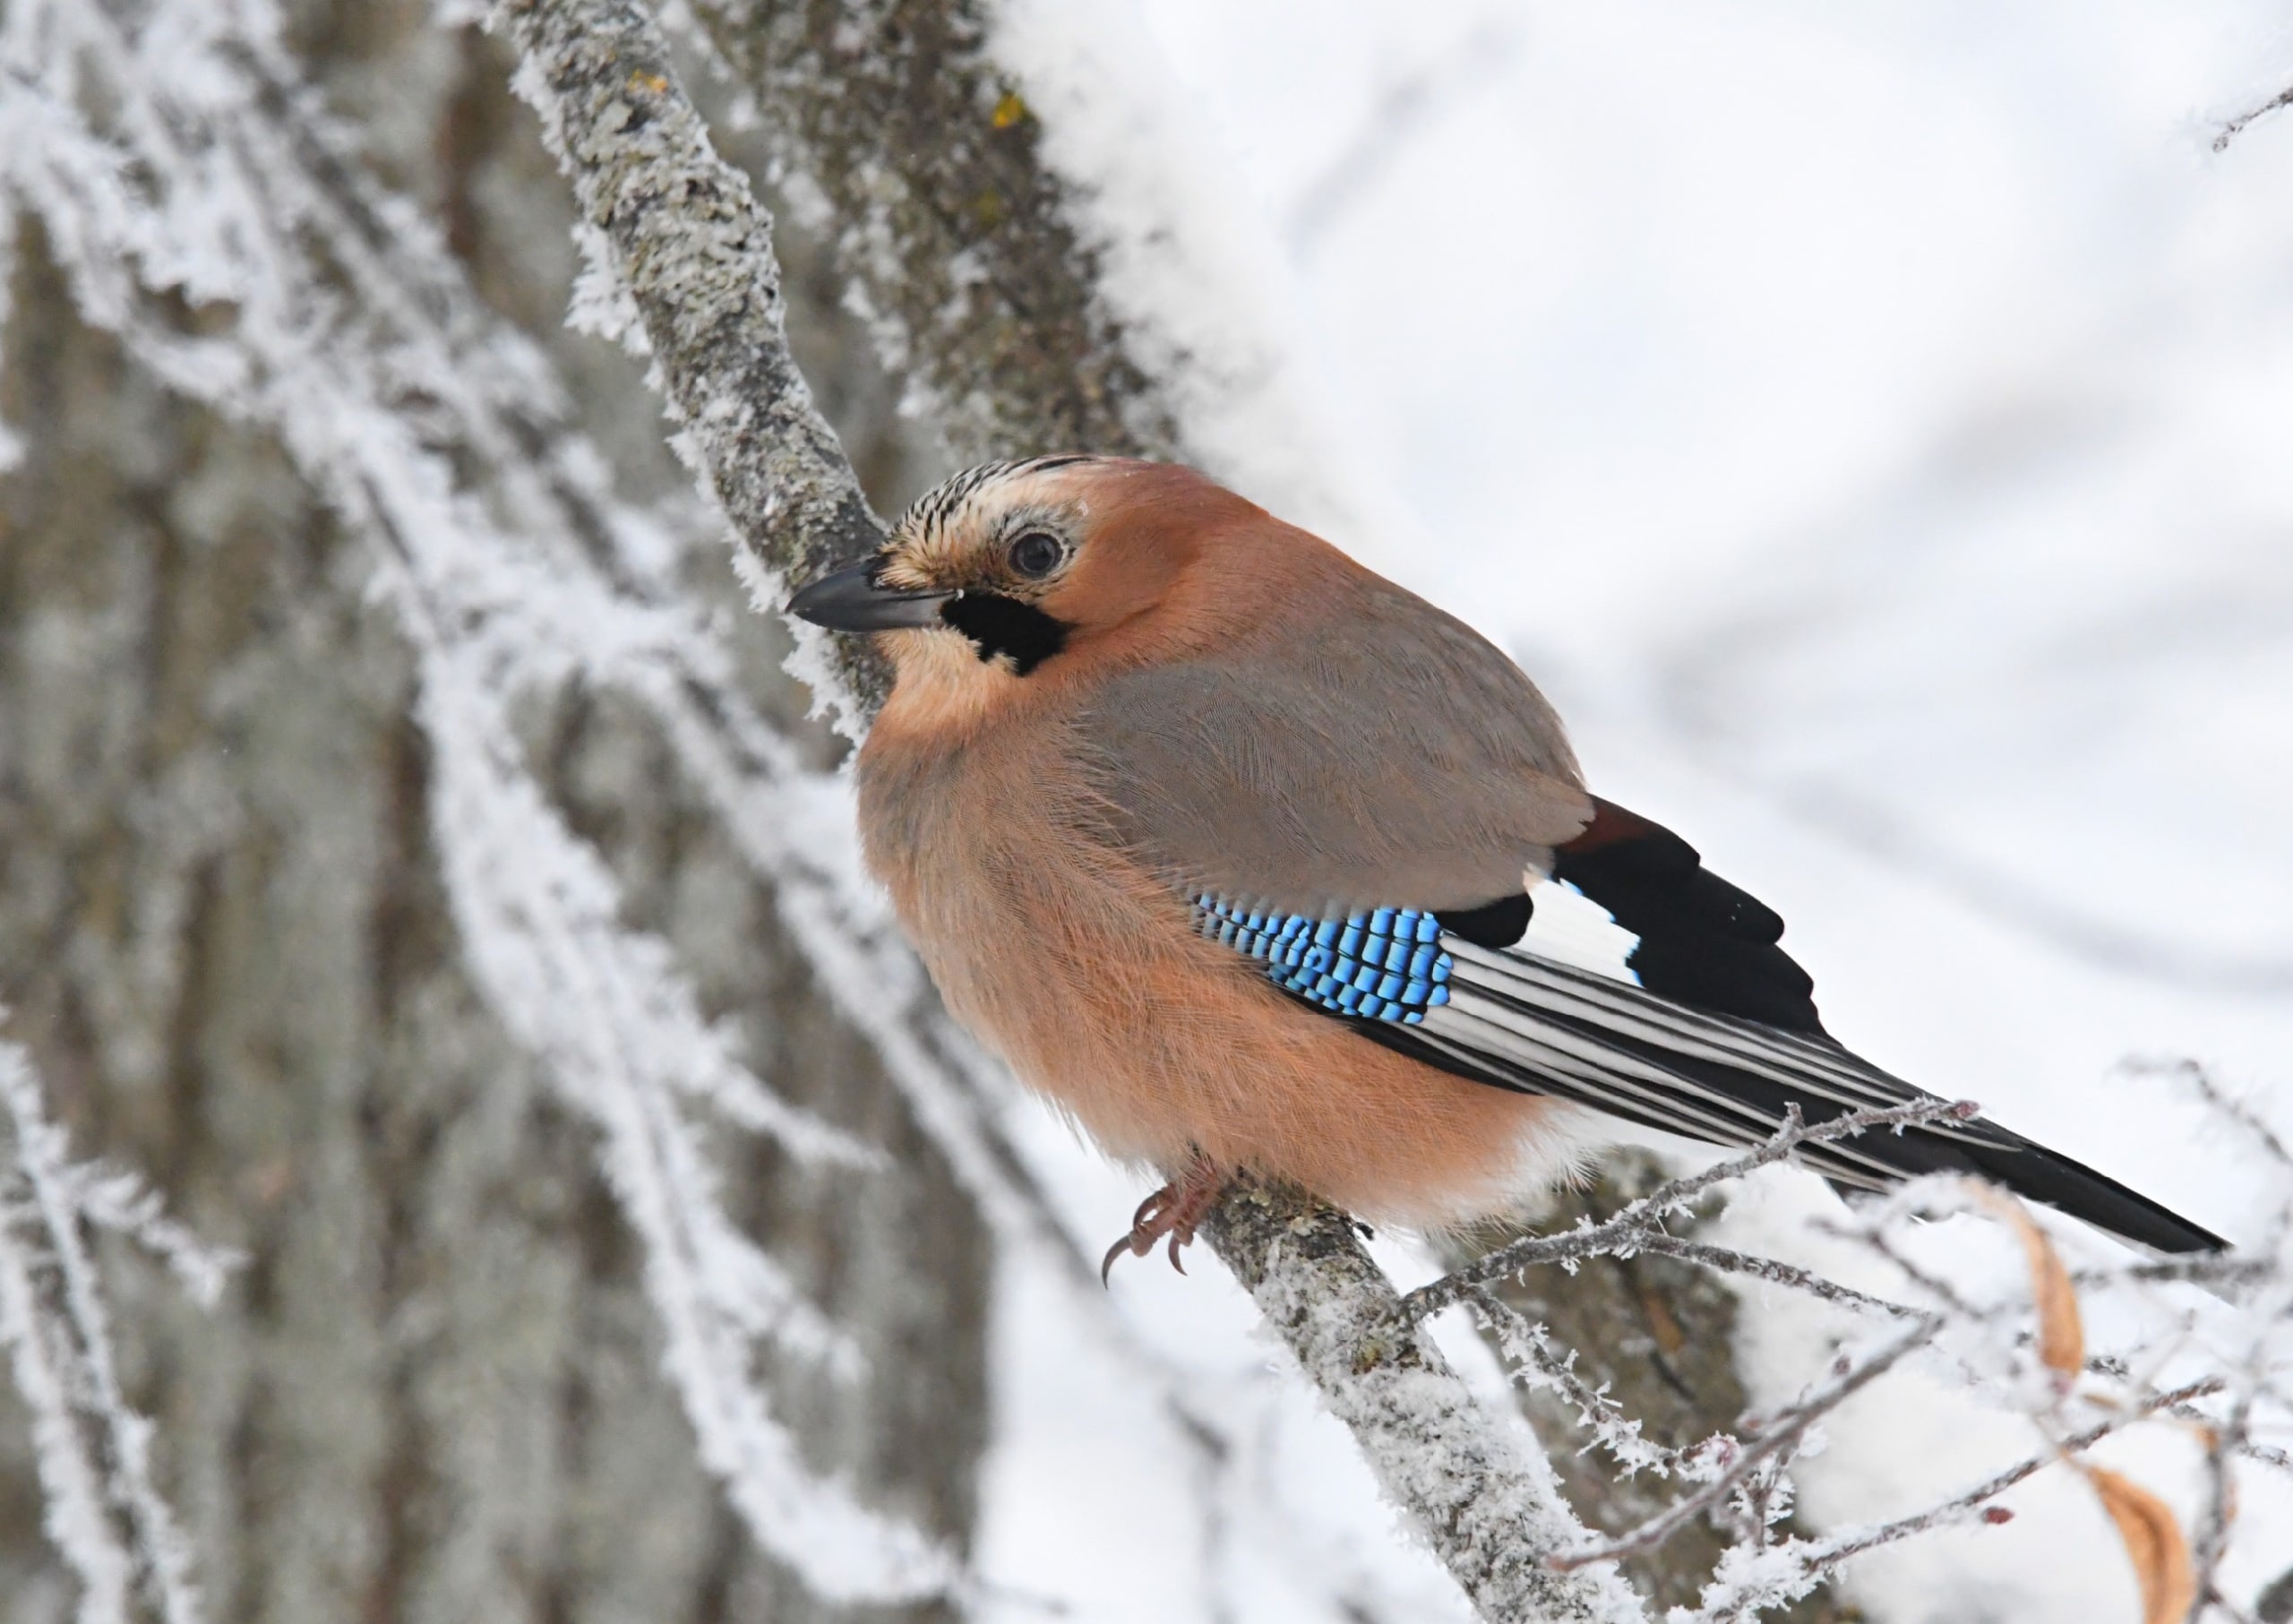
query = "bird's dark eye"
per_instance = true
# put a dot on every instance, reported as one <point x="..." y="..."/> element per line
<point x="1036" y="555"/>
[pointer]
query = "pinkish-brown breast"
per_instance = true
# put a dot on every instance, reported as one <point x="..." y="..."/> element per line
<point x="1083" y="971"/>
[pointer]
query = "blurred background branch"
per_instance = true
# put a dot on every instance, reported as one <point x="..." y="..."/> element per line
<point x="2232" y="128"/>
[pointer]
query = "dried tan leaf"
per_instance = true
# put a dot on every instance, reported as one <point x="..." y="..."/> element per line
<point x="2061" y="1334"/>
<point x="2154" y="1541"/>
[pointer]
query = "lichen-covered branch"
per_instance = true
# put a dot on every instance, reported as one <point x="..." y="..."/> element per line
<point x="1480" y="1494"/>
<point x="694" y="252"/>
<point x="923" y="159"/>
<point x="900" y="132"/>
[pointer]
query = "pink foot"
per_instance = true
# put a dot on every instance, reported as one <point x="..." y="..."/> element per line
<point x="1172" y="1212"/>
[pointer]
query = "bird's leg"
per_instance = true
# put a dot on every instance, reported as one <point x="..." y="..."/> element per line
<point x="1174" y="1212"/>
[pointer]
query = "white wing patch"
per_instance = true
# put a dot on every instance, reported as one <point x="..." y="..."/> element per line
<point x="1568" y="927"/>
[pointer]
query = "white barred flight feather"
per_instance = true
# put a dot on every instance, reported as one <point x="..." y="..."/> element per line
<point x="1518" y="1018"/>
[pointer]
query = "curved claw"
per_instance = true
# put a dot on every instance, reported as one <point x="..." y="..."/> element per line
<point x="1172" y="1212"/>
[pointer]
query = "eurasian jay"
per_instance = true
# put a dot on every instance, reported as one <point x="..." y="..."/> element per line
<point x="1249" y="859"/>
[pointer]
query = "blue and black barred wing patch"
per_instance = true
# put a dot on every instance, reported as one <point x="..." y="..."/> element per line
<point x="1380" y="965"/>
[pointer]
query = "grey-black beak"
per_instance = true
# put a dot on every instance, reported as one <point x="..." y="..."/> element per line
<point x="853" y="600"/>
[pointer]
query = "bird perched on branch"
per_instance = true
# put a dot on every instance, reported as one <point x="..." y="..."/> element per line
<point x="1249" y="859"/>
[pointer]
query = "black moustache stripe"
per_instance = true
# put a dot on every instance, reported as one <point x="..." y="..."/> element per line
<point x="997" y="624"/>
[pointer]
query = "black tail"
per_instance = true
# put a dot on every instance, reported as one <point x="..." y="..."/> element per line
<point x="1521" y="1022"/>
<point x="2038" y="1175"/>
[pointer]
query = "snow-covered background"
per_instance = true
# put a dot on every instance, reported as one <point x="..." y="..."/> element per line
<point x="1874" y="425"/>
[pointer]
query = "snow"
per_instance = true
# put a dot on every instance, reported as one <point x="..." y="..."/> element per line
<point x="1182" y="253"/>
<point x="1868" y="424"/>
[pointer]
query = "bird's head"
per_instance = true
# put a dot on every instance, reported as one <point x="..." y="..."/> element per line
<point x="1012" y="568"/>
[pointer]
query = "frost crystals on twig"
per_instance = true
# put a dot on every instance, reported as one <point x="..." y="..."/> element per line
<point x="2232" y="129"/>
<point x="105" y="1511"/>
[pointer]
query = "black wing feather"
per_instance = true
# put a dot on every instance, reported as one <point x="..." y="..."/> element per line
<point x="1702" y="940"/>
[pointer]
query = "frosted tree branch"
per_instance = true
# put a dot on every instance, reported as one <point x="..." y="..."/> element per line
<point x="2231" y="129"/>
<point x="104" y="1510"/>
<point x="1478" y="1493"/>
<point x="1778" y="1435"/>
<point x="692" y="251"/>
<point x="599" y="73"/>
<point x="1793" y="1566"/>
<point x="1640" y="1224"/>
<point x="1743" y="1476"/>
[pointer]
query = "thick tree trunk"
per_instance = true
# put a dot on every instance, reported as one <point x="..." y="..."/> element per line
<point x="965" y="250"/>
<point x="434" y="1392"/>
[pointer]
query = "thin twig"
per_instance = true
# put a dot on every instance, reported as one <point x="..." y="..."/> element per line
<point x="109" y="1520"/>
<point x="1621" y="1234"/>
<point x="1825" y="1553"/>
<point x="1530" y="1347"/>
<point x="2231" y="130"/>
<point x="1780" y="1432"/>
<point x="2199" y="1080"/>
<point x="1727" y="1261"/>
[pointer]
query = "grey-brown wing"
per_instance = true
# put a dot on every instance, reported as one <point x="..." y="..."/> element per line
<point x="1387" y="754"/>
